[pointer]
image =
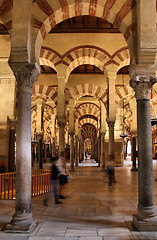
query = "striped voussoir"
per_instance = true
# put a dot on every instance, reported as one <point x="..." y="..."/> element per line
<point x="86" y="89"/>
<point x="87" y="109"/>
<point x="114" y="11"/>
<point x="86" y="54"/>
<point x="46" y="92"/>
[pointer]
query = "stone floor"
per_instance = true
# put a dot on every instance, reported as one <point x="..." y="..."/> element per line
<point x="92" y="210"/>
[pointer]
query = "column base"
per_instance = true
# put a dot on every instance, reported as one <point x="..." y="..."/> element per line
<point x="145" y="226"/>
<point x="13" y="228"/>
<point x="134" y="169"/>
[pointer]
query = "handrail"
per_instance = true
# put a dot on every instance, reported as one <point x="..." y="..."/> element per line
<point x="40" y="183"/>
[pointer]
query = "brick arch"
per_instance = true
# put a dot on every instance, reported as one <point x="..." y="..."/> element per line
<point x="115" y="12"/>
<point x="81" y="90"/>
<point x="85" y="54"/>
<point x="46" y="92"/>
<point x="88" y="120"/>
<point x="89" y="131"/>
<point x="46" y="62"/>
<point x="87" y="108"/>
<point x="85" y="60"/>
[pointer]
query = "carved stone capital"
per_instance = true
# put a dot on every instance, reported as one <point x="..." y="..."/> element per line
<point x="25" y="74"/>
<point x="61" y="124"/>
<point x="110" y="123"/>
<point x="142" y="86"/>
<point x="71" y="134"/>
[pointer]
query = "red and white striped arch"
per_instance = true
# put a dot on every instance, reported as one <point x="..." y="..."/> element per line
<point x="50" y="13"/>
<point x="81" y="90"/>
<point x="88" y="120"/>
<point x="87" y="109"/>
<point x="86" y="54"/>
<point x="45" y="92"/>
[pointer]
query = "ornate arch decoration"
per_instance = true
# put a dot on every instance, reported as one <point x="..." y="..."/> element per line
<point x="87" y="108"/>
<point x="86" y="54"/>
<point x="52" y="13"/>
<point x="89" y="131"/>
<point x="88" y="119"/>
<point x="81" y="90"/>
<point x="46" y="92"/>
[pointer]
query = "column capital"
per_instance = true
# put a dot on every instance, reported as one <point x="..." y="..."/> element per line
<point x="72" y="133"/>
<point x="61" y="123"/>
<point x="39" y="135"/>
<point x="110" y="123"/>
<point x="142" y="86"/>
<point x="26" y="74"/>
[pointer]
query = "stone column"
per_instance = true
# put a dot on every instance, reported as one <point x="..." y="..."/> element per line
<point x="22" y="220"/>
<point x="61" y="137"/>
<point x="11" y="157"/>
<point x="53" y="147"/>
<point x="146" y="219"/>
<point x="99" y="150"/>
<point x="76" y="151"/>
<point x="102" y="155"/>
<point x="39" y="150"/>
<point x="111" y="140"/>
<point x="72" y="151"/>
<point x="133" y="153"/>
<point x="111" y="144"/>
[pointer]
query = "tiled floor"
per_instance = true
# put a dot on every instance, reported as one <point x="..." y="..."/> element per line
<point x="91" y="211"/>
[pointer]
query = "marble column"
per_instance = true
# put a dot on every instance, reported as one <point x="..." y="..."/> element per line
<point x="99" y="150"/>
<point x="72" y="151"/>
<point x="53" y="147"/>
<point x="61" y="136"/>
<point x="39" y="150"/>
<point x="22" y="220"/>
<point x="76" y="151"/>
<point x="146" y="218"/>
<point x="133" y="153"/>
<point x="111" y="144"/>
<point x="111" y="140"/>
<point x="102" y="155"/>
<point x="11" y="157"/>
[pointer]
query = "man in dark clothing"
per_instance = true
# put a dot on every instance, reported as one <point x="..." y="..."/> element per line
<point x="54" y="181"/>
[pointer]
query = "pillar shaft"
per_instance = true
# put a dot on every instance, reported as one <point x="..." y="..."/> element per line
<point x="23" y="157"/>
<point x="53" y="148"/>
<point x="39" y="150"/>
<point x="11" y="160"/>
<point x="71" y="151"/>
<point x="76" y="152"/>
<point x="146" y="211"/>
<point x="133" y="152"/>
<point x="102" y="158"/>
<point x="25" y="75"/>
<point x="145" y="169"/>
<point x="111" y="140"/>
<point x="61" y="137"/>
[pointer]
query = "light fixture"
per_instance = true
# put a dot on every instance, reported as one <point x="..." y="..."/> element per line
<point x="123" y="132"/>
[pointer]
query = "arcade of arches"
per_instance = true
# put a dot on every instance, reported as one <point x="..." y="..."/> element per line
<point x="74" y="76"/>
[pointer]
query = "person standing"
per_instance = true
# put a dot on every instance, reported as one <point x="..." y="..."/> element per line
<point x="54" y="182"/>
